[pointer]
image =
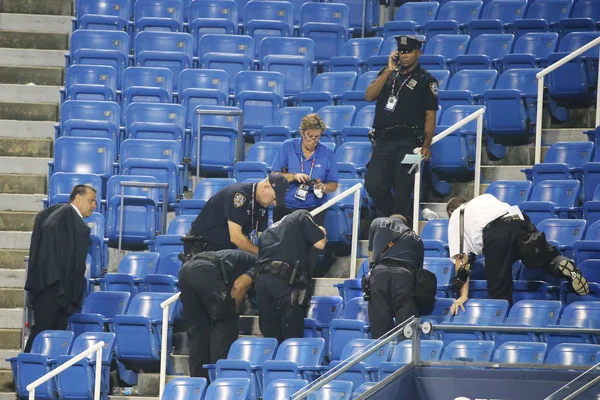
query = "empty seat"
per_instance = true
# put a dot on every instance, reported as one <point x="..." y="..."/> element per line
<point x="326" y="24"/>
<point x="520" y="353"/>
<point x="542" y="15"/>
<point x="286" y="124"/>
<point x="354" y="54"/>
<point x="591" y="208"/>
<point x="98" y="247"/>
<point x="563" y="233"/>
<point x="468" y="351"/>
<point x="431" y="350"/>
<point x="185" y="388"/>
<point x="202" y="87"/>
<point x="102" y="15"/>
<point x="444" y="272"/>
<point x="359" y="131"/>
<point x="272" y="18"/>
<point x="485" y="51"/>
<point x="165" y="278"/>
<point x="511" y="192"/>
<point x="212" y="16"/>
<point x="442" y="77"/>
<point x="356" y="97"/>
<point x="155" y="121"/>
<point x="338" y="218"/>
<point x="158" y="15"/>
<point x="83" y="156"/>
<point x="204" y="190"/>
<point x="410" y="18"/>
<point x="477" y="312"/>
<point x="98" y="310"/>
<point x="257" y="164"/>
<point x="441" y="50"/>
<point x="61" y="184"/>
<point x="549" y="199"/>
<point x="147" y="84"/>
<point x="283" y="389"/>
<point x="531" y="51"/>
<point x="326" y="89"/>
<point x="321" y="310"/>
<point x="497" y="17"/>
<point x="467" y="87"/>
<point x="131" y="272"/>
<point x="332" y="390"/>
<point x="453" y="17"/>
<point x="584" y="17"/>
<point x="352" y="158"/>
<point x="231" y="53"/>
<point x="336" y="118"/>
<point x="564" y="160"/>
<point x="228" y="388"/>
<point x="578" y="314"/>
<point x="86" y="118"/>
<point x="90" y="82"/>
<point x="259" y="94"/>
<point x="573" y="354"/>
<point x="435" y="238"/>
<point x="365" y="370"/>
<point x="353" y="325"/>
<point x="588" y="247"/>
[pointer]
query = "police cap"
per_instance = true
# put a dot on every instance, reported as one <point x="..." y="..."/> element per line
<point x="408" y="43"/>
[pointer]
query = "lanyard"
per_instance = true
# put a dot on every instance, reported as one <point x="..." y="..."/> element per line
<point x="401" y="85"/>
<point x="252" y="223"/>
<point x="311" y="166"/>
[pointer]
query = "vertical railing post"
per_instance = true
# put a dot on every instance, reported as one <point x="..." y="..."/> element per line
<point x="478" y="145"/>
<point x="32" y="394"/>
<point x="121" y="224"/>
<point x="26" y="326"/>
<point x="98" y="375"/>
<point x="364" y="17"/>
<point x="163" y="350"/>
<point x="538" y="122"/>
<point x="417" y="198"/>
<point x="197" y="177"/>
<point x="355" y="222"/>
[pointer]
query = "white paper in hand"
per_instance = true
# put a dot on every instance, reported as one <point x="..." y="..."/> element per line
<point x="412" y="159"/>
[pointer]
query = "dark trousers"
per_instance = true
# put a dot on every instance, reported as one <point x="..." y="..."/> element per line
<point x="281" y="211"/>
<point x="392" y="296"/>
<point x="47" y="315"/>
<point x="385" y="172"/>
<point x="278" y="318"/>
<point x="209" y="339"/>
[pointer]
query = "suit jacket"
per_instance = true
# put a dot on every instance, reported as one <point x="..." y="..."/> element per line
<point x="57" y="256"/>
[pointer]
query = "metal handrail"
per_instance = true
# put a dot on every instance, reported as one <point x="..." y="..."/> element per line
<point x="354" y="241"/>
<point x="428" y="327"/>
<point x="164" y="352"/>
<point x="579" y="391"/>
<point x="240" y="147"/>
<point x="477" y="180"/>
<point x="149" y="185"/>
<point x="97" y="348"/>
<point x="540" y="94"/>
<point x="26" y="326"/>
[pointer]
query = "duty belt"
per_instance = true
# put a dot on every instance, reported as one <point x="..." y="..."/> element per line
<point x="284" y="270"/>
<point x="398" y="132"/>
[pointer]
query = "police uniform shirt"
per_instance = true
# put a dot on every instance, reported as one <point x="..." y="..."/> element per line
<point x="418" y="93"/>
<point x="478" y="213"/>
<point x="408" y="249"/>
<point x="236" y="263"/>
<point x="289" y="239"/>
<point x="233" y="203"/>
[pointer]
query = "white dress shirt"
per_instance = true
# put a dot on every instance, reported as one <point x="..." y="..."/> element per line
<point x="478" y="213"/>
<point x="77" y="209"/>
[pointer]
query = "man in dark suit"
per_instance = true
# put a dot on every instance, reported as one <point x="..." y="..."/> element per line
<point x="57" y="255"/>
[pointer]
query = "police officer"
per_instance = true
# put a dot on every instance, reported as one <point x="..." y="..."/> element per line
<point x="405" y="112"/>
<point x="395" y="253"/>
<point x="285" y="274"/>
<point x="213" y="286"/>
<point x="234" y="216"/>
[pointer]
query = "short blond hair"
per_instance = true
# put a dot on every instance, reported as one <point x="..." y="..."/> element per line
<point x="310" y="122"/>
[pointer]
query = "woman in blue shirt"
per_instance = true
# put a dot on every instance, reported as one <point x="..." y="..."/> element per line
<point x="309" y="166"/>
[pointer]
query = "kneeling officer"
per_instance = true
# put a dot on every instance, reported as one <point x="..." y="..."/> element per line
<point x="213" y="286"/>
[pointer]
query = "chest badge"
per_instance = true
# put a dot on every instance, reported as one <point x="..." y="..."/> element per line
<point x="239" y="200"/>
<point x="411" y="84"/>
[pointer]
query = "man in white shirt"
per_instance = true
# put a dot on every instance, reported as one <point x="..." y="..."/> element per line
<point x="502" y="233"/>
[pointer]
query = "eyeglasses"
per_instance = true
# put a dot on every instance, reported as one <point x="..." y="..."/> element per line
<point x="312" y="138"/>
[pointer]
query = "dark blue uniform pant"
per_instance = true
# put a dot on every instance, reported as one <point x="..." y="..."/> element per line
<point x="278" y="318"/>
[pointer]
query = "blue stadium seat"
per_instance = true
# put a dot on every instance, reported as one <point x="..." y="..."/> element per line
<point x="573" y="354"/>
<point x="293" y="58"/>
<point x="205" y="189"/>
<point x="564" y="160"/>
<point x="131" y="273"/>
<point x="354" y="54"/>
<point x="441" y="50"/>
<point x="435" y="238"/>
<point x="286" y="124"/>
<point x="93" y="47"/>
<point x="371" y="16"/>
<point x="90" y="82"/>
<point x="468" y="351"/>
<point x="443" y="78"/>
<point x="295" y="359"/>
<point x="102" y="15"/>
<point x="89" y="119"/>
<point x="453" y="17"/>
<point x="520" y="353"/>
<point x="265" y="19"/>
<point x="172" y="50"/>
<point x="375" y="63"/>
<point x="98" y="310"/>
<point x="147" y="84"/>
<point x="259" y="94"/>
<point x="356" y="97"/>
<point x="591" y="176"/>
<point x="165" y="278"/>
<point x="153" y="15"/>
<point x="326" y="89"/>
<point x="531" y="51"/>
<point x="283" y="389"/>
<point x="171" y="242"/>
<point x="202" y="87"/>
<point x="159" y="158"/>
<point x="441" y="309"/>
<point x="83" y="156"/>
<point x="511" y="192"/>
<point x="591" y="270"/>
<point x="515" y="94"/>
<point x="568" y="296"/>
<point x="27" y="367"/>
<point x="477" y="312"/>
<point x="231" y="53"/>
<point x="542" y="15"/>
<point x="563" y="233"/>
<point x="497" y="17"/>
<point x="321" y="310"/>
<point x="485" y="51"/>
<point x="588" y="248"/>
<point x="78" y="380"/>
<point x="549" y="199"/>
<point x="352" y="158"/>
<point x="353" y="325"/>
<point x="467" y="87"/>
<point x="98" y="247"/>
<point x="185" y="388"/>
<point x="338" y="218"/>
<point x="231" y="388"/>
<point x="258" y="161"/>
<point x="367" y="369"/>
<point x="326" y="24"/>
<point x="333" y="390"/>
<point x="584" y="17"/>
<point x="529" y="289"/>
<point x="212" y="16"/>
<point x="431" y="350"/>
<point x="410" y="18"/>
<point x="336" y="118"/>
<point x="351" y="288"/>
<point x="578" y="314"/>
<point x="218" y="141"/>
<point x="591" y="208"/>
<point x="61" y="184"/>
<point x="139" y="213"/>
<point x="443" y="269"/>
<point x="359" y="131"/>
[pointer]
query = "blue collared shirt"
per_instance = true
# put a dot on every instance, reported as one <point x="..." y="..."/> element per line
<point x="291" y="156"/>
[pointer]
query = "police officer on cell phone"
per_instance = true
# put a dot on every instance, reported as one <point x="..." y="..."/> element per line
<point x="405" y="115"/>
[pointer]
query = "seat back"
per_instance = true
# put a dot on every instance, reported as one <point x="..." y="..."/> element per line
<point x="213" y="9"/>
<point x="520" y="353"/>
<point x="511" y="192"/>
<point x="99" y="40"/>
<point x="148" y="305"/>
<point x="228" y="388"/>
<point x="586" y="9"/>
<point x="576" y="154"/>
<point x="436" y="229"/>
<point x="357" y="308"/>
<point x="522" y="79"/>
<point x="287" y="46"/>
<point x="291" y="116"/>
<point x="460" y="11"/>
<point x="84" y="155"/>
<point x="139" y="264"/>
<point x="302" y="351"/>
<point x="333" y="390"/>
<point x="447" y="46"/>
<point x="442" y="76"/>
<point x="151" y="149"/>
<point x="492" y="45"/>
<point x="573" y="353"/>
<point x="89" y="339"/>
<point x="365" y="80"/>
<point x="506" y="11"/>
<point x="477" y="81"/>
<point x="283" y="389"/>
<point x="468" y="351"/>
<point x="325" y="308"/>
<point x="417" y="12"/>
<point x="255" y="350"/>
<point x="167" y="9"/>
<point x="356" y="346"/>
<point x="441" y="267"/>
<point x="269" y="11"/>
<point x="482" y="311"/>
<point x="154" y="77"/>
<point x="534" y="312"/>
<point x="263" y="151"/>
<point x="169" y="264"/>
<point x="155" y="113"/>
<point x="52" y="343"/>
<point x="99" y="75"/>
<point x="328" y="13"/>
<point x="61" y="184"/>
<point x="549" y="10"/>
<point x="185" y="388"/>
<point x="585" y="314"/>
<point x="113" y="187"/>
<point x="208" y="187"/>
<point x="107" y="304"/>
<point x="575" y="40"/>
<point x="591" y="270"/>
<point x="173" y="42"/>
<point x="431" y="350"/>
<point x="228" y="44"/>
<point x="362" y="48"/>
<point x="354" y="152"/>
<point x="365" y="116"/>
<point x="115" y="8"/>
<point x="335" y="83"/>
<point x="593" y="232"/>
<point x="337" y="117"/>
<point x="541" y="44"/>
<point x="181" y="225"/>
<point x="108" y="111"/>
<point x="456" y="113"/>
<point x="260" y="81"/>
<point x="562" y="192"/>
<point x="217" y="79"/>
<point x="563" y="231"/>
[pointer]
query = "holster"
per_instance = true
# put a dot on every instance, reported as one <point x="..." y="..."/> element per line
<point x="292" y="274"/>
<point x="300" y="297"/>
<point x="194" y="244"/>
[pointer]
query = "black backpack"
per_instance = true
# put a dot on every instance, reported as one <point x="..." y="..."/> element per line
<point x="425" y="290"/>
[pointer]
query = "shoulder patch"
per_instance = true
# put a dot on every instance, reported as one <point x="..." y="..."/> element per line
<point x="239" y="200"/>
<point x="433" y="86"/>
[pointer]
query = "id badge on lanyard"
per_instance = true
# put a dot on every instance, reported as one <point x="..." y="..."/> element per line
<point x="390" y="105"/>
<point x="303" y="189"/>
<point x="253" y="236"/>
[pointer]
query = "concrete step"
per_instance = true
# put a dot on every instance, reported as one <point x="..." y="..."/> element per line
<point x="27" y="129"/>
<point x="341" y="267"/>
<point x="24" y="165"/>
<point x="13" y="259"/>
<point x="6" y="381"/>
<point x="18" y="39"/>
<point x="491" y="173"/>
<point x="32" y="58"/>
<point x="36" y="23"/>
<point x="42" y="7"/>
<point x="11" y="318"/>
<point x="10" y="339"/>
<point x="15" y="240"/>
<point x="4" y="354"/>
<point x="30" y="93"/>
<point x="25" y="147"/>
<point x="52" y="76"/>
<point x="29" y="111"/>
<point x="21" y="221"/>
<point x="324" y="286"/>
<point x="21" y="202"/>
<point x="12" y="278"/>
<point x="10" y="298"/>
<point x="551" y="136"/>
<point x="23" y="183"/>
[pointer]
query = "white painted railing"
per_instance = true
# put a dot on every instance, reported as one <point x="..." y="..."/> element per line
<point x="164" y="352"/>
<point x="97" y="348"/>
<point x="540" y="94"/>
<point x="477" y="180"/>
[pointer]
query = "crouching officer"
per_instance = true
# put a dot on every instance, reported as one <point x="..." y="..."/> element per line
<point x="284" y="282"/>
<point x="213" y="286"/>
